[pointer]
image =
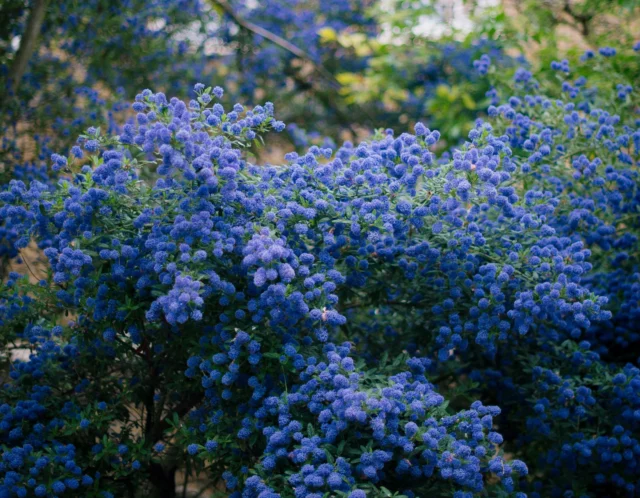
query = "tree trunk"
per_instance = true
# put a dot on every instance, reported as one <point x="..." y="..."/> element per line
<point x="163" y="481"/>
<point x="27" y="43"/>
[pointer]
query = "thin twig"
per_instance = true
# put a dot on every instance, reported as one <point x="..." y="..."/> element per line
<point x="24" y="260"/>
<point x="186" y="481"/>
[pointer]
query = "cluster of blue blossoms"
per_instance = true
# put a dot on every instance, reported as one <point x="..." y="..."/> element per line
<point x="328" y="327"/>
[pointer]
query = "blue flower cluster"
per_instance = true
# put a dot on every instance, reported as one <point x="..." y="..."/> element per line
<point x="238" y="319"/>
<point x="238" y="270"/>
<point x="570" y="397"/>
<point x="383" y="419"/>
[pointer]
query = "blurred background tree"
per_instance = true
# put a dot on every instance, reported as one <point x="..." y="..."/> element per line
<point x="345" y="65"/>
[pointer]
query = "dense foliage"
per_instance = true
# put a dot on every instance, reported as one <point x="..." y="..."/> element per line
<point x="412" y="313"/>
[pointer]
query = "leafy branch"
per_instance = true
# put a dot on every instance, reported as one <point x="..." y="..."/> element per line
<point x="277" y="40"/>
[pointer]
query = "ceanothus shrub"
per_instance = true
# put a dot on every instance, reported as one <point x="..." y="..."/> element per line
<point x="231" y="319"/>
<point x="571" y="401"/>
<point x="202" y="314"/>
